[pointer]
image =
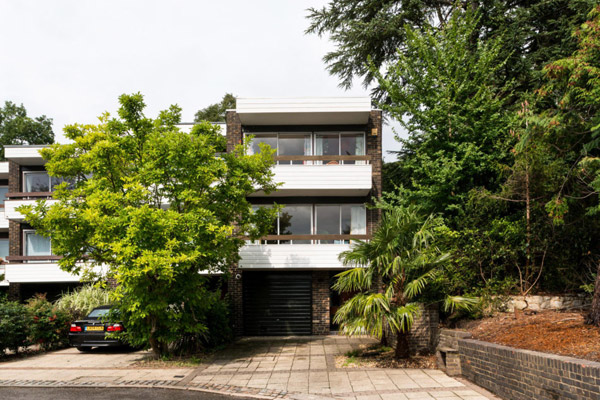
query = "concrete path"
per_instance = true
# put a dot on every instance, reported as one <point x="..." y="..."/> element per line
<point x="301" y="368"/>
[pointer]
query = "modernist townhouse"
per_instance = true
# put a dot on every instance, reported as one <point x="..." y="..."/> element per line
<point x="328" y="162"/>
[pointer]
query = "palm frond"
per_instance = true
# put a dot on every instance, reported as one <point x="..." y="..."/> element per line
<point x="452" y="303"/>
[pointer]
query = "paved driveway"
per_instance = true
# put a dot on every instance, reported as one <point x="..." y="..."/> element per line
<point x="301" y="368"/>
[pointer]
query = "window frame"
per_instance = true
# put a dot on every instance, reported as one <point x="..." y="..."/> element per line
<point x="25" y="233"/>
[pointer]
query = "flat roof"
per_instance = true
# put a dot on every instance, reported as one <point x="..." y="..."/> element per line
<point x="304" y="110"/>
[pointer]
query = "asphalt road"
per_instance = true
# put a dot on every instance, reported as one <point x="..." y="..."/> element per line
<point x="107" y="393"/>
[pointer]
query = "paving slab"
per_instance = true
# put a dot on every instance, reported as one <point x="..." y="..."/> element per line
<point x="300" y="368"/>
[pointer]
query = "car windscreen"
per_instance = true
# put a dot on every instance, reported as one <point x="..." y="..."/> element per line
<point x="99" y="313"/>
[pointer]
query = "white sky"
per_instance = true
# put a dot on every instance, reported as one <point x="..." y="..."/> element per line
<point x="70" y="60"/>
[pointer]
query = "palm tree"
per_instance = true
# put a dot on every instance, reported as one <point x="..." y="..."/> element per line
<point x="390" y="274"/>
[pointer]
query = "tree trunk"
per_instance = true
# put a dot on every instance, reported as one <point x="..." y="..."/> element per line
<point x="594" y="315"/>
<point x="402" y="350"/>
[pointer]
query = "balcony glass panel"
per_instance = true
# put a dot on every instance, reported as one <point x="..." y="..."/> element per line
<point x="270" y="140"/>
<point x="295" y="220"/>
<point x="352" y="144"/>
<point x="294" y="145"/>
<point x="37" y="182"/>
<point x="3" y="191"/>
<point x="327" y="145"/>
<point x="328" y="221"/>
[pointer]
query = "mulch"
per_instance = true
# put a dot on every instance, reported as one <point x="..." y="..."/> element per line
<point x="374" y="357"/>
<point x="562" y="333"/>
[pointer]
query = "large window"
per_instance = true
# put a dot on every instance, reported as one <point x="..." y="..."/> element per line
<point x="36" y="245"/>
<point x="40" y="181"/>
<point x="318" y="219"/>
<point x="315" y="143"/>
<point x="3" y="248"/>
<point x="3" y="191"/>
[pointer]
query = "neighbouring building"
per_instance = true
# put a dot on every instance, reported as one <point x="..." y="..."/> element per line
<point x="329" y="162"/>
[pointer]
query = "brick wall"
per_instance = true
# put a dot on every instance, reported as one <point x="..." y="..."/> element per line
<point x="236" y="297"/>
<point x="516" y="374"/>
<point x="234" y="130"/>
<point x="424" y="333"/>
<point x="14" y="177"/>
<point x="374" y="149"/>
<point x="320" y="303"/>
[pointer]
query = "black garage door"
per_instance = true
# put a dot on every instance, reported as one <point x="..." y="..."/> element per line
<point x="277" y="304"/>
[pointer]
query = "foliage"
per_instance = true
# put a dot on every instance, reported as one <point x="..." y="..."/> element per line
<point x="81" y="301"/>
<point x="216" y="112"/>
<point x="534" y="33"/>
<point x="15" y="323"/>
<point x="401" y="266"/>
<point x="17" y="128"/>
<point x="441" y="90"/>
<point x="503" y="173"/>
<point x="151" y="207"/>
<point x="49" y="326"/>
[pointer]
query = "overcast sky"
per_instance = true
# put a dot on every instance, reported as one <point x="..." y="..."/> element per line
<point x="70" y="60"/>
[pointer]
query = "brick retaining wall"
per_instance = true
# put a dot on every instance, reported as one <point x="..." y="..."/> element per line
<point x="516" y="374"/>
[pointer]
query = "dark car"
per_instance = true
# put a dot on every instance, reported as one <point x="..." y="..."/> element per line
<point x="91" y="331"/>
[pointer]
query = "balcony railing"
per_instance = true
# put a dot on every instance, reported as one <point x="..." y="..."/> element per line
<point x="27" y="195"/>
<point x="322" y="158"/>
<point x="25" y="259"/>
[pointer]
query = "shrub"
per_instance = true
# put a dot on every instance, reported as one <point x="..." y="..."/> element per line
<point x="14" y="326"/>
<point x="83" y="300"/>
<point x="49" y="325"/>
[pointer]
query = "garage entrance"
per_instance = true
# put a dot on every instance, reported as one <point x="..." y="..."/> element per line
<point x="277" y="303"/>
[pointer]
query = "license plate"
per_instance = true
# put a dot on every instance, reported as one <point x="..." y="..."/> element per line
<point x="94" y="328"/>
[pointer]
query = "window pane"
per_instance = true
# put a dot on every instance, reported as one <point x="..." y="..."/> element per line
<point x="354" y="220"/>
<point x="294" y="145"/>
<point x="352" y="145"/>
<point x="37" y="245"/>
<point x="271" y="140"/>
<point x="327" y="145"/>
<point x="328" y="221"/>
<point x="3" y="191"/>
<point x="295" y="220"/>
<point x="3" y="248"/>
<point x="272" y="231"/>
<point x="37" y="182"/>
<point x="57" y="181"/>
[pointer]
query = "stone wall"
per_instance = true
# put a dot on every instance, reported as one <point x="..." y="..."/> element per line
<point x="424" y="333"/>
<point x="516" y="374"/>
<point x="537" y="303"/>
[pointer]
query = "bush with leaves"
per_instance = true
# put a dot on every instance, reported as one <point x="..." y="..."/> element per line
<point x="14" y="326"/>
<point x="83" y="300"/>
<point x="49" y="326"/>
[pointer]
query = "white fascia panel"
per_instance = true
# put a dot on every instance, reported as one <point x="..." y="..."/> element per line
<point x="37" y="273"/>
<point x="10" y="207"/>
<point x="292" y="256"/>
<point x="24" y="155"/>
<point x="4" y="170"/>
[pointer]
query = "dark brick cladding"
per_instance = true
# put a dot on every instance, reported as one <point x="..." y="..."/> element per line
<point x="234" y="283"/>
<point x="374" y="149"/>
<point x="515" y="374"/>
<point x="320" y="302"/>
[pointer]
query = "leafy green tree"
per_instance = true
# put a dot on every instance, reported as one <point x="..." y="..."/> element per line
<point x="533" y="33"/>
<point x="441" y="90"/>
<point x="153" y="207"/>
<point x="401" y="262"/>
<point x="568" y="117"/>
<point x="17" y="128"/>
<point x="216" y="112"/>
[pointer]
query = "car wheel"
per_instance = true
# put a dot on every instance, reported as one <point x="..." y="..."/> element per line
<point x="83" y="349"/>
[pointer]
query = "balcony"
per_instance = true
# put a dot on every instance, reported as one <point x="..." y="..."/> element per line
<point x="15" y="200"/>
<point x="315" y="178"/>
<point x="296" y="256"/>
<point x="30" y="269"/>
